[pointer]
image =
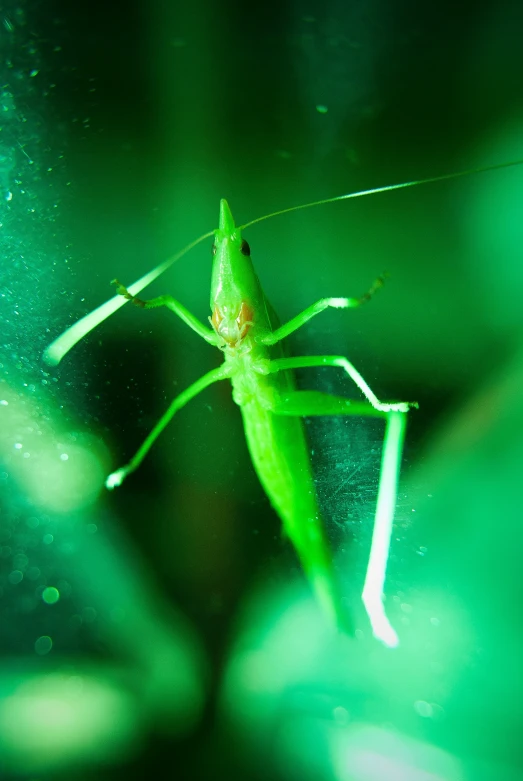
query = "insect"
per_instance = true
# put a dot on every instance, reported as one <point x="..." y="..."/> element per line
<point x="245" y="328"/>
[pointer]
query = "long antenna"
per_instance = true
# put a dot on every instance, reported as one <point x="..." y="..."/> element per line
<point x="54" y="353"/>
<point x="385" y="189"/>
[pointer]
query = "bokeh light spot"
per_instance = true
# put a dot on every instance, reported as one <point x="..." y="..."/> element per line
<point x="50" y="595"/>
<point x="43" y="645"/>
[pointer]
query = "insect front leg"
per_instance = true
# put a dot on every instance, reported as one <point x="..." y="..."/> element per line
<point x="318" y="307"/>
<point x="308" y="403"/>
<point x="116" y="478"/>
<point x="172" y="304"/>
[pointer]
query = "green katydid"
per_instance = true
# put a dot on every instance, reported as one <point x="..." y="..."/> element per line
<point x="245" y="327"/>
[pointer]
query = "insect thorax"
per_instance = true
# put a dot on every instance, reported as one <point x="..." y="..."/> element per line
<point x="248" y="372"/>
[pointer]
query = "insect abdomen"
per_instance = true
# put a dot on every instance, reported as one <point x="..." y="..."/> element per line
<point x="279" y="451"/>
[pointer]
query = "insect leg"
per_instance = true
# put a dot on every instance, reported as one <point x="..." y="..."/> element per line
<point x="175" y="306"/>
<point x="307" y="403"/>
<point x="315" y="309"/>
<point x="116" y="478"/>
<point x="60" y="346"/>
<point x="305" y="361"/>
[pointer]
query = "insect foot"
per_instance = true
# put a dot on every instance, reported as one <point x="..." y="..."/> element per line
<point x="121" y="290"/>
<point x="115" y="479"/>
<point x="396" y="406"/>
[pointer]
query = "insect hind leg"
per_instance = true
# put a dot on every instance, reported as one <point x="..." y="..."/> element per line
<point x="307" y="361"/>
<point x="308" y="403"/>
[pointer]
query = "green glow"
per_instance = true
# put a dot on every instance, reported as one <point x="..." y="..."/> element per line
<point x="50" y="595"/>
<point x="37" y="461"/>
<point x="363" y="752"/>
<point x="50" y="720"/>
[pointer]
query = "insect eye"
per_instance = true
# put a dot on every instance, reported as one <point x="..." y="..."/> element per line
<point x="245" y="249"/>
<point x="213" y="248"/>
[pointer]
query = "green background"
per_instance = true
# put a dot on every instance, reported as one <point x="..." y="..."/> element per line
<point x="183" y="635"/>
